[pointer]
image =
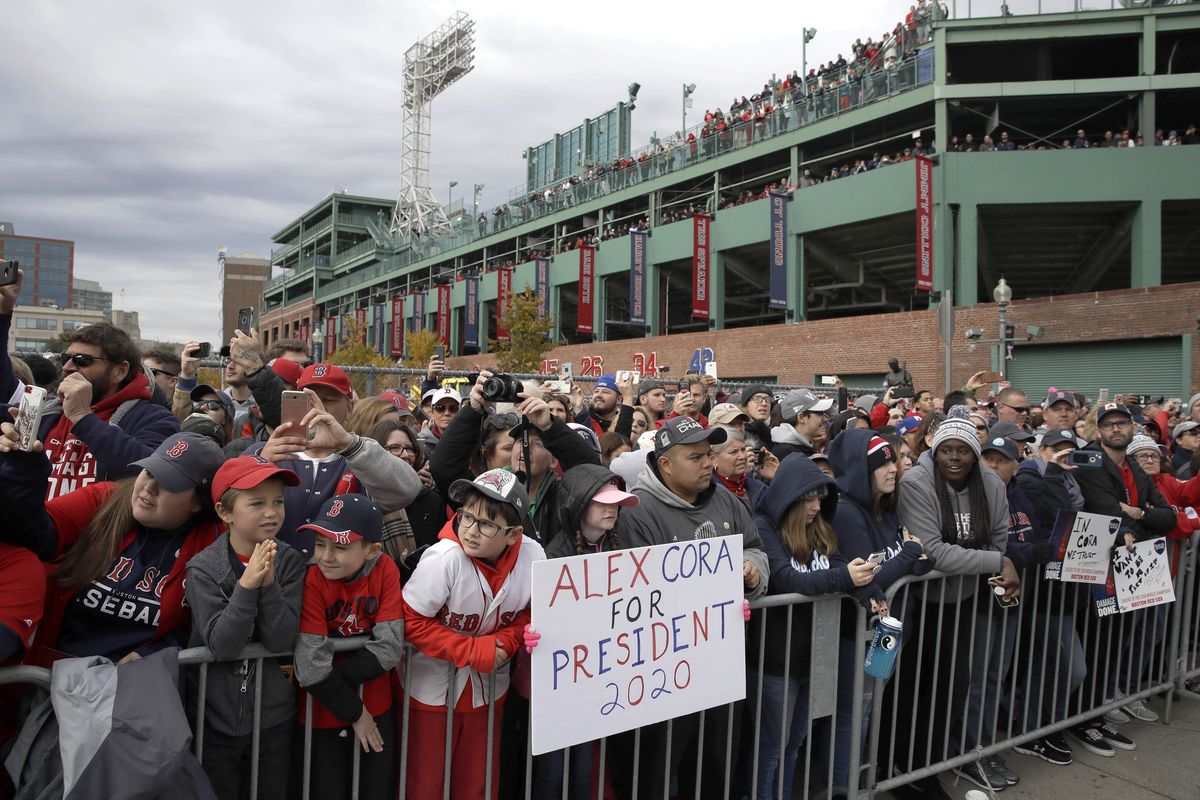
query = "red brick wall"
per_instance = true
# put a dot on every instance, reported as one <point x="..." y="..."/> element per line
<point x="863" y="344"/>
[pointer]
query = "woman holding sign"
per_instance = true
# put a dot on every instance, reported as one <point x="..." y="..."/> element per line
<point x="802" y="549"/>
<point x="588" y="503"/>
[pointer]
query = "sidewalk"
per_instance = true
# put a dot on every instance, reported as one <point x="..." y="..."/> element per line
<point x="1164" y="765"/>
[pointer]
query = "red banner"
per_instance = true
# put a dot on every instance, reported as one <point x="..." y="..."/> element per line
<point x="397" y="326"/>
<point x="701" y="230"/>
<point x="331" y="336"/>
<point x="443" y="313"/>
<point x="360" y="321"/>
<point x="587" y="285"/>
<point x="503" y="300"/>
<point x="924" y="224"/>
<point x="305" y="333"/>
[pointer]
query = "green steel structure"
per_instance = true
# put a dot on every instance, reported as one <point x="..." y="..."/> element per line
<point x="1053" y="221"/>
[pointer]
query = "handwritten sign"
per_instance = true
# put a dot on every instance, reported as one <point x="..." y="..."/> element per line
<point x="634" y="637"/>
<point x="1142" y="576"/>
<point x="1082" y="545"/>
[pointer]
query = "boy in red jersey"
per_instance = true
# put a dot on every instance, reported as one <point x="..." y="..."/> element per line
<point x="352" y="589"/>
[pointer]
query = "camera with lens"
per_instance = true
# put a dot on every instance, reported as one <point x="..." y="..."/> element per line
<point x="499" y="388"/>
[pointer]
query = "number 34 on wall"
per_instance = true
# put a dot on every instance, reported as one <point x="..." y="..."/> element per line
<point x="593" y="366"/>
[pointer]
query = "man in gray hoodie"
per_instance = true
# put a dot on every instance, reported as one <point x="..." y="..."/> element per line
<point x="803" y="416"/>
<point x="680" y="501"/>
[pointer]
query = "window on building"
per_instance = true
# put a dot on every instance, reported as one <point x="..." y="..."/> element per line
<point x="37" y="324"/>
<point x="30" y="345"/>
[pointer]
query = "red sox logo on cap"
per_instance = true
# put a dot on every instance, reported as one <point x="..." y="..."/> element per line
<point x="495" y="479"/>
<point x="340" y="537"/>
<point x="336" y="509"/>
<point x="179" y="449"/>
<point x="320" y="371"/>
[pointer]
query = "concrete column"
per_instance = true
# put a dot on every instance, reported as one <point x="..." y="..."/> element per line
<point x="1146" y="245"/>
<point x="966" y="272"/>
<point x="716" y="292"/>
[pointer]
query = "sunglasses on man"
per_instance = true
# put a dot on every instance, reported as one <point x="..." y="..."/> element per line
<point x="82" y="360"/>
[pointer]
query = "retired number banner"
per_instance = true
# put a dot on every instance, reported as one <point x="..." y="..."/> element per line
<point x="924" y="224"/>
<point x="701" y="231"/>
<point x="471" y="312"/>
<point x="398" y="326"/>
<point x="443" y="313"/>
<point x="503" y="300"/>
<point x="418" y="311"/>
<point x="779" y="277"/>
<point x="541" y="282"/>
<point x="360" y="322"/>
<point x="633" y="637"/>
<point x="331" y="336"/>
<point x="637" y="277"/>
<point x="587" y="285"/>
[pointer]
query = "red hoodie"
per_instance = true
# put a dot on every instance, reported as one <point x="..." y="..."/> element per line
<point x="1184" y="496"/>
<point x="72" y="465"/>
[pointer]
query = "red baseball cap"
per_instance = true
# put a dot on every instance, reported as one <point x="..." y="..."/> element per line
<point x="325" y="375"/>
<point x="246" y="472"/>
<point x="287" y="369"/>
<point x="397" y="399"/>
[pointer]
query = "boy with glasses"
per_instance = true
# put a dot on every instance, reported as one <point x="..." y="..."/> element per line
<point x="481" y="563"/>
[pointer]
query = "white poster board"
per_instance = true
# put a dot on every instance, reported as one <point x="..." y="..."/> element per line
<point x="634" y="637"/>
<point x="1142" y="575"/>
<point x="1083" y="543"/>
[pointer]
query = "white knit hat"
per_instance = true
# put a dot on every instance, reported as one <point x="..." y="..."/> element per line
<point x="957" y="425"/>
<point x="1140" y="442"/>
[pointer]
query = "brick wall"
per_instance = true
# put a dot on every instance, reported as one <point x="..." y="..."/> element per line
<point x="863" y="344"/>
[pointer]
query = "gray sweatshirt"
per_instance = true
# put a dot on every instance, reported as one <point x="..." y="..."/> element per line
<point x="226" y="617"/>
<point x="662" y="516"/>
<point x="921" y="513"/>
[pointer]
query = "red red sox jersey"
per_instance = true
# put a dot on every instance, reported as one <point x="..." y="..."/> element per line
<point x="337" y="610"/>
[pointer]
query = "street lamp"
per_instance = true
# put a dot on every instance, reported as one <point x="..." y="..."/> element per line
<point x="476" y="192"/>
<point x="809" y="35"/>
<point x="688" y="88"/>
<point x="1003" y="296"/>
<point x="450" y="194"/>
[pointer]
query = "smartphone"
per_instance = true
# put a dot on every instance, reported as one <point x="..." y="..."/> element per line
<point x="830" y="380"/>
<point x="293" y="405"/>
<point x="622" y="375"/>
<point x="903" y="391"/>
<point x="225" y="351"/>
<point x="876" y="558"/>
<point x="8" y="272"/>
<point x="439" y="352"/>
<point x="710" y="368"/>
<point x="1103" y="396"/>
<point x="245" y="319"/>
<point x="1085" y="458"/>
<point x="998" y="593"/>
<point x="202" y="351"/>
<point x="564" y="372"/>
<point x="993" y="376"/>
<point x="29" y="417"/>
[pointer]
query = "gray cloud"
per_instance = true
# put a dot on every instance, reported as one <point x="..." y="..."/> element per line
<point x="150" y="133"/>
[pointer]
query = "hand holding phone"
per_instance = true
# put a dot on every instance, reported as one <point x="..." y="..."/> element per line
<point x="293" y="407"/>
<point x="202" y="350"/>
<point x="29" y="418"/>
<point x="245" y="319"/>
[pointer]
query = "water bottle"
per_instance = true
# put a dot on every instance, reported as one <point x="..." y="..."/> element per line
<point x="881" y="657"/>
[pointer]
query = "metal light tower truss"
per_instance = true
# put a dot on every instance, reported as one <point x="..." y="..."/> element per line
<point x="430" y="67"/>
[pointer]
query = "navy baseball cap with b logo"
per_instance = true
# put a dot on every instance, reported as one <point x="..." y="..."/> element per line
<point x="348" y="518"/>
<point x="183" y="461"/>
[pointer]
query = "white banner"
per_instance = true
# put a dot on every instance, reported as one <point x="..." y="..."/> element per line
<point x="1142" y="575"/>
<point x="634" y="637"/>
<point x="1084" y="542"/>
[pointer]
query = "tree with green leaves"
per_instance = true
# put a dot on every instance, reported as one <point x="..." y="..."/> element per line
<point x="420" y="348"/>
<point x="528" y="334"/>
<point x="353" y="352"/>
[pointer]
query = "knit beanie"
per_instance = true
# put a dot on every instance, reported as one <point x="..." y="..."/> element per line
<point x="1139" y="443"/>
<point x="879" y="452"/>
<point x="1192" y="402"/>
<point x="957" y="425"/>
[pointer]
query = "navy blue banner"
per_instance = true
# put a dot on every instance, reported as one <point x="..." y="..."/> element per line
<point x="377" y="325"/>
<point x="471" y="312"/>
<point x="779" y="276"/>
<point x="418" y="323"/>
<point x="637" y="277"/>
<point x="541" y="283"/>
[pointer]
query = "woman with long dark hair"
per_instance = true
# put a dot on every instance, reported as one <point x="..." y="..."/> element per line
<point x="419" y="522"/>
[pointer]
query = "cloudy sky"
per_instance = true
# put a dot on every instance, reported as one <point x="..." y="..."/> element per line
<point x="151" y="133"/>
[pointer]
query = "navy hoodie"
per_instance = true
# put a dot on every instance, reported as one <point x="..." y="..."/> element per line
<point x="796" y="476"/>
<point x="860" y="533"/>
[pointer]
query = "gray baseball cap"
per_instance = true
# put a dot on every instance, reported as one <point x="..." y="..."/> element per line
<point x="800" y="401"/>
<point x="183" y="461"/>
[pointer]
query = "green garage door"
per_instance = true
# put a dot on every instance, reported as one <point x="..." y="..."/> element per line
<point x="1140" y="366"/>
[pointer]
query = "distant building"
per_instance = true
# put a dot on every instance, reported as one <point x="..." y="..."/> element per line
<point x="242" y="279"/>
<point x="49" y="266"/>
<point x="33" y="326"/>
<point x="128" y="322"/>
<point x="87" y="295"/>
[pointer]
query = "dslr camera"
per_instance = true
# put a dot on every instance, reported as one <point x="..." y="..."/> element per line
<point x="500" y="388"/>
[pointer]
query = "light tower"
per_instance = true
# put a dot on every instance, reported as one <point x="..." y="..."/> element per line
<point x="430" y="66"/>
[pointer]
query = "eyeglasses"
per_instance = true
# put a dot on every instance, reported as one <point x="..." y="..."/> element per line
<point x="208" y="405"/>
<point x="1018" y="409"/>
<point x="760" y="398"/>
<point x="163" y="372"/>
<point x="983" y="428"/>
<point x="81" y="359"/>
<point x="1146" y="458"/>
<point x="1119" y="423"/>
<point x="486" y="527"/>
<point x="400" y="449"/>
<point x="445" y="408"/>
